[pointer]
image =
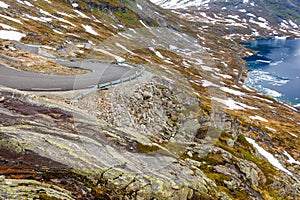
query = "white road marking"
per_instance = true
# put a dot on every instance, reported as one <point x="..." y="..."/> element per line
<point x="46" y="89"/>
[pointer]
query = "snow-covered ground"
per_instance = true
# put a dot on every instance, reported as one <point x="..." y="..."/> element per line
<point x="291" y="159"/>
<point x="11" y="35"/>
<point x="268" y="156"/>
<point x="3" y="5"/>
<point x="244" y="18"/>
<point x="11" y="19"/>
<point x="232" y="104"/>
<point x="258" y="118"/>
<point x="81" y="14"/>
<point x="174" y="4"/>
<point x="7" y="27"/>
<point x="89" y="29"/>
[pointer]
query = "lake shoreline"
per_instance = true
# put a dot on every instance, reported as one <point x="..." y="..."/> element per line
<point x="267" y="72"/>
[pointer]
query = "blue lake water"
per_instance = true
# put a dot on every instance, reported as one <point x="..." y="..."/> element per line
<point x="275" y="69"/>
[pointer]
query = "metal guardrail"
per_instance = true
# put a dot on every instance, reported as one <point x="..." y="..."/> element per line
<point x="111" y="83"/>
<point x="8" y="58"/>
<point x="84" y="94"/>
<point x="138" y="73"/>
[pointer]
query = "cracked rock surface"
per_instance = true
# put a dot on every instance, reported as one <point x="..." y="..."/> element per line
<point x="43" y="136"/>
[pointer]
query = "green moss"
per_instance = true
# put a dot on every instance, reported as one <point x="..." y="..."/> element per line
<point x="242" y="150"/>
<point x="225" y="136"/>
<point x="147" y="148"/>
<point x="45" y="196"/>
<point x="44" y="5"/>
<point x="213" y="159"/>
<point x="283" y="12"/>
<point x="218" y="178"/>
<point x="235" y="193"/>
<point x="14" y="144"/>
<point x="245" y="151"/>
<point x="128" y="18"/>
<point x="242" y="140"/>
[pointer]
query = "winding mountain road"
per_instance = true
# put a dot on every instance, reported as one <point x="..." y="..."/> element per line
<point x="100" y="72"/>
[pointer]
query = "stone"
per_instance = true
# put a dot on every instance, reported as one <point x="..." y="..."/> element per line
<point x="2" y="178"/>
<point x="231" y="184"/>
<point x="252" y="172"/>
<point x="138" y="96"/>
<point x="230" y="142"/>
<point x="147" y="95"/>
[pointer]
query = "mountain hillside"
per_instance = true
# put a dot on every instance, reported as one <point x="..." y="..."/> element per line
<point x="185" y="128"/>
<point x="265" y="13"/>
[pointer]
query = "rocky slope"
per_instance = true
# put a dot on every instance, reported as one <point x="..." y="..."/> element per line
<point x="242" y="19"/>
<point x="187" y="129"/>
<point x="279" y="11"/>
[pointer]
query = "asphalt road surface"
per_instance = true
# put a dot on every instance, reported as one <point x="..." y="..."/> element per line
<point x="99" y="73"/>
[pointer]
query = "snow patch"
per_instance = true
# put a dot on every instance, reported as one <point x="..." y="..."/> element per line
<point x="258" y="118"/>
<point x="271" y="129"/>
<point x="65" y="21"/>
<point x="234" y="16"/>
<point x="206" y="83"/>
<point x="7" y="27"/>
<point x="174" y="4"/>
<point x="290" y="107"/>
<point x="45" y="12"/>
<point x="263" y="99"/>
<point x="268" y="156"/>
<point x="3" y="5"/>
<point x="28" y="4"/>
<point x="81" y="14"/>
<point x="75" y="5"/>
<point x="291" y="159"/>
<point x="11" y="19"/>
<point x="261" y="24"/>
<point x="56" y="31"/>
<point x="11" y="35"/>
<point x="293" y="24"/>
<point x="168" y="79"/>
<point x="89" y="29"/>
<point x="140" y="7"/>
<point x="233" y="105"/>
<point x="124" y="48"/>
<point x="118" y="58"/>
<point x="39" y="19"/>
<point x="251" y="15"/>
<point x="143" y="24"/>
<point x="64" y="14"/>
<point x="231" y="91"/>
<point x="206" y="68"/>
<point x="157" y="53"/>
